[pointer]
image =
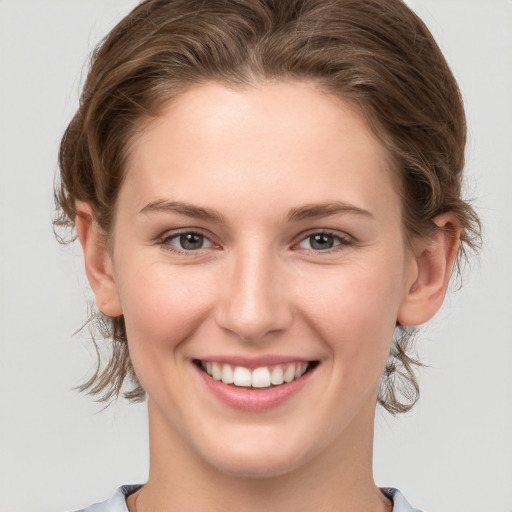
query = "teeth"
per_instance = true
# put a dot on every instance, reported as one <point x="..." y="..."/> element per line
<point x="216" y="371"/>
<point x="227" y="374"/>
<point x="301" y="370"/>
<point x="289" y="373"/>
<point x="277" y="376"/>
<point x="262" y="377"/>
<point x="242" y="377"/>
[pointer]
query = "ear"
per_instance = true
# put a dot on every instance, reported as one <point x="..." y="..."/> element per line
<point x="434" y="259"/>
<point x="98" y="263"/>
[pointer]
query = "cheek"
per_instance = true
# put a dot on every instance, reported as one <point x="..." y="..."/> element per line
<point x="163" y="306"/>
<point x="355" y="314"/>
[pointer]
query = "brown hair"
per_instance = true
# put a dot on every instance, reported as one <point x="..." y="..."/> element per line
<point x="376" y="54"/>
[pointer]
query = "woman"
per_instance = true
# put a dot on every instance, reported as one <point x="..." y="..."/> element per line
<point x="265" y="193"/>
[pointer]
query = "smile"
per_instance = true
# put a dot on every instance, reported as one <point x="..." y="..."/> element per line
<point x="262" y="377"/>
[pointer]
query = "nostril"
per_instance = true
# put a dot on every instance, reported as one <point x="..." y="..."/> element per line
<point x="255" y="326"/>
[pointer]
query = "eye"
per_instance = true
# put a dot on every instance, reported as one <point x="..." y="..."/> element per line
<point x="323" y="242"/>
<point x="187" y="241"/>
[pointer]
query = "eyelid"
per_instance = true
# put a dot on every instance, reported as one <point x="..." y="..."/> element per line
<point x="344" y="240"/>
<point x="165" y="240"/>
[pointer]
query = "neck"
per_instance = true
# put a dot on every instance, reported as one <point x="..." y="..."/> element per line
<point x="339" y="480"/>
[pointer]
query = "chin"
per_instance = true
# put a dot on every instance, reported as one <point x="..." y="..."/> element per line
<point x="255" y="466"/>
<point x="256" y="455"/>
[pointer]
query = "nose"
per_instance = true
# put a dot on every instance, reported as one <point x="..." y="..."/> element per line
<point x="254" y="301"/>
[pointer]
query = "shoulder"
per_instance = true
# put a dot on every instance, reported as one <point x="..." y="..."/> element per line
<point x="400" y="504"/>
<point x="117" y="503"/>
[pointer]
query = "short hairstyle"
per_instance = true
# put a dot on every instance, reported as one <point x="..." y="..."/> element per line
<point x="377" y="55"/>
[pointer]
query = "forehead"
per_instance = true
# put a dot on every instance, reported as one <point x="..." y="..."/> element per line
<point x="289" y="138"/>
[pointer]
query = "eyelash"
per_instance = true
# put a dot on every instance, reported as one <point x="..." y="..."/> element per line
<point x="342" y="241"/>
<point x="339" y="240"/>
<point x="166" y="241"/>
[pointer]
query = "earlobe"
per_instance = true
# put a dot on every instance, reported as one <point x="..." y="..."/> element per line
<point x="97" y="260"/>
<point x="434" y="258"/>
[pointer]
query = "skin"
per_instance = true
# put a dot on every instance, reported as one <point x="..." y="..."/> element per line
<point x="258" y="286"/>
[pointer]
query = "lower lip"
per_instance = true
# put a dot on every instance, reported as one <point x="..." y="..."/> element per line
<point x="254" y="399"/>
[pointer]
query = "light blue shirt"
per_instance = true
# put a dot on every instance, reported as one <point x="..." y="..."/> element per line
<point x="117" y="503"/>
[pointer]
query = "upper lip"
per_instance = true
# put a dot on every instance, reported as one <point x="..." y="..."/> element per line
<point x="253" y="362"/>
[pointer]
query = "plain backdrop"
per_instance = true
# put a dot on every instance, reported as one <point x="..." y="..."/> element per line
<point x="58" y="452"/>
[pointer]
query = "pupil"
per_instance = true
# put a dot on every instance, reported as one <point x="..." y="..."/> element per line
<point x="322" y="241"/>
<point x="191" y="241"/>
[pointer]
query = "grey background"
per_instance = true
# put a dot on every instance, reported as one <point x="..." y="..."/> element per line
<point x="57" y="452"/>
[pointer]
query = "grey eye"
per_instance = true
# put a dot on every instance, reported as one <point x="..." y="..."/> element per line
<point x="190" y="241"/>
<point x="186" y="242"/>
<point x="321" y="241"/>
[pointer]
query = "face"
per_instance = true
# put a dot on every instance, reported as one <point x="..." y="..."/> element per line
<point x="258" y="239"/>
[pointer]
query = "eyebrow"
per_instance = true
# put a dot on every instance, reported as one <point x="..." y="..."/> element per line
<point x="308" y="211"/>
<point x="311" y="211"/>
<point x="190" y="210"/>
